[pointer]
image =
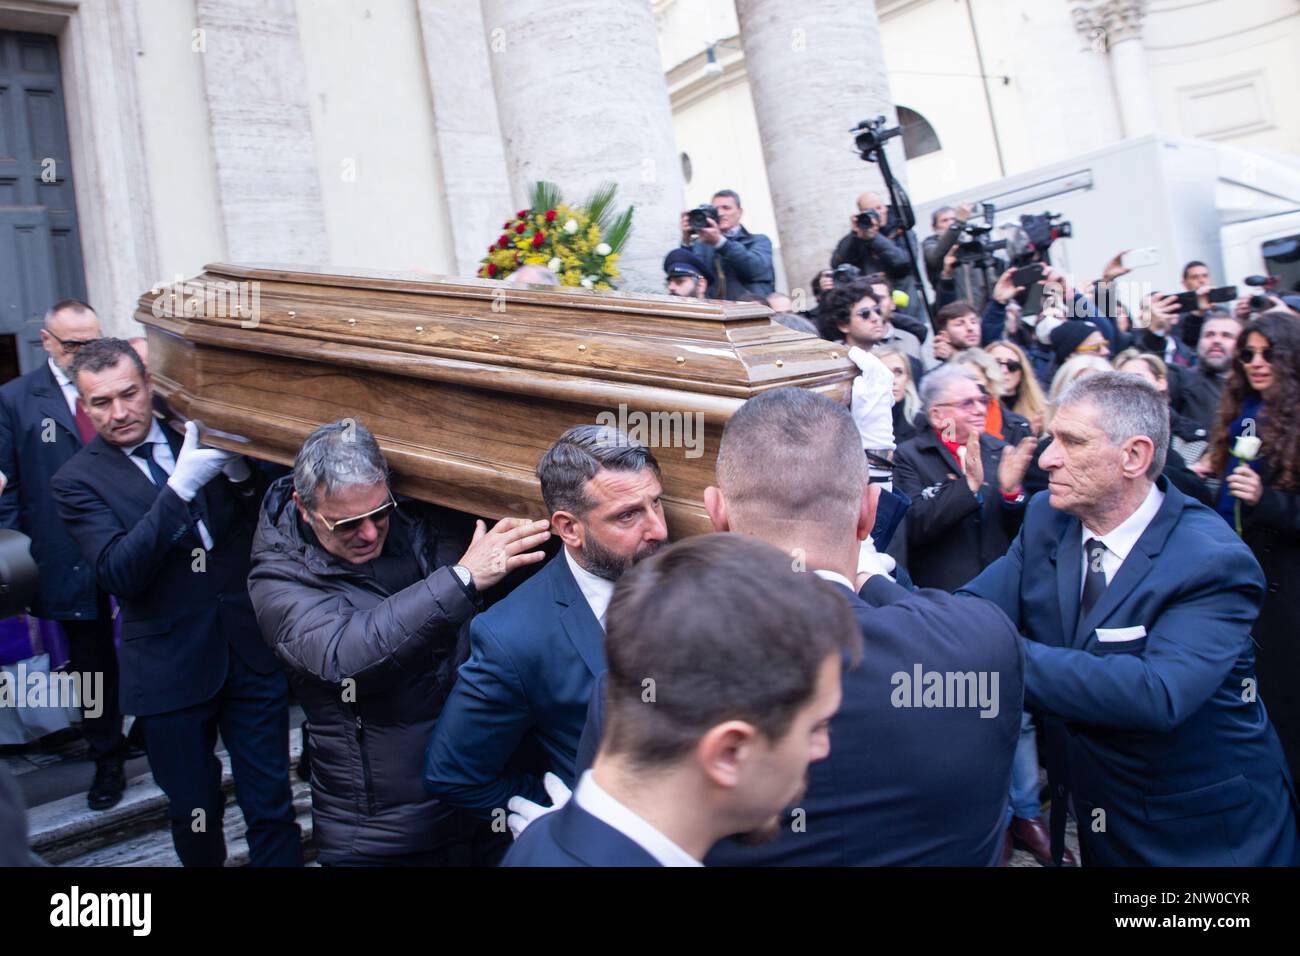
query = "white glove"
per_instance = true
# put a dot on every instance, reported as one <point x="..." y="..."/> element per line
<point x="873" y="400"/>
<point x="196" y="465"/>
<point x="871" y="561"/>
<point x="523" y="811"/>
<point x="237" y="469"/>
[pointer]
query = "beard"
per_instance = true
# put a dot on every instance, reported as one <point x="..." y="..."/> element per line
<point x="611" y="565"/>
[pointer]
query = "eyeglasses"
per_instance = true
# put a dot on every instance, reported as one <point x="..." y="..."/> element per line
<point x="1011" y="365"/>
<point x="1092" y="348"/>
<point x="967" y="404"/>
<point x="868" y="313"/>
<point x="70" y="344"/>
<point x="1247" y="355"/>
<point x="351" y="525"/>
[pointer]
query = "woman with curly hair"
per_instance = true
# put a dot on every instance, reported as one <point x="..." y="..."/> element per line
<point x="1255" y="449"/>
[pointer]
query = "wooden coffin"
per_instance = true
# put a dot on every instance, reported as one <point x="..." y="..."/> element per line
<point x="466" y="382"/>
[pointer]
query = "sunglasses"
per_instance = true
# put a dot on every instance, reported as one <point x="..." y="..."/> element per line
<point x="1092" y="348"/>
<point x="1011" y="365"/>
<point x="967" y="404"/>
<point x="868" y="313"/>
<point x="1247" y="355"/>
<point x="350" y="525"/>
<point x="70" y="344"/>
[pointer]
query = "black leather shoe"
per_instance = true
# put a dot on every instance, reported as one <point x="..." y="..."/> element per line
<point x="1033" y="836"/>
<point x="110" y="782"/>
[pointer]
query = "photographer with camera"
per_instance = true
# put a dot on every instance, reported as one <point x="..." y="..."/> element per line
<point x="875" y="243"/>
<point x="969" y="279"/>
<point x="739" y="259"/>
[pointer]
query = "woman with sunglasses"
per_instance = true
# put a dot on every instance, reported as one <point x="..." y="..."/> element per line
<point x="1020" y="389"/>
<point x="1255" y="450"/>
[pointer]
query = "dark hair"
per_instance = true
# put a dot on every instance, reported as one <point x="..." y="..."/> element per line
<point x="1279" y="425"/>
<point x="74" y="305"/>
<point x="879" y="278"/>
<point x="730" y="193"/>
<point x="99" y="354"/>
<point x="577" y="456"/>
<point x="1192" y="265"/>
<point x="953" y="310"/>
<point x="725" y="630"/>
<point x="838" y="303"/>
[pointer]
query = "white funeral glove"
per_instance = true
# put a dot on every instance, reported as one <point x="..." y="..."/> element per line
<point x="523" y="811"/>
<point x="196" y="465"/>
<point x="237" y="469"/>
<point x="873" y="400"/>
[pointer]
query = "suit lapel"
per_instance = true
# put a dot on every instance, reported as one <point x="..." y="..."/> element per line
<point x="122" y="476"/>
<point x="1137" y="564"/>
<point x="578" y="621"/>
<point x="52" y="404"/>
<point x="1069" y="578"/>
<point x="930" y="438"/>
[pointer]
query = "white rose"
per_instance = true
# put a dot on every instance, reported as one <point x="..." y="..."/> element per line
<point x="555" y="265"/>
<point x="1246" y="447"/>
<point x="587" y="283"/>
<point x="571" y="226"/>
<point x="603" y="249"/>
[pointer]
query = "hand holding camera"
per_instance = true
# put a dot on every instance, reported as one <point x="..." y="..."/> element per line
<point x="702" y="223"/>
<point x="865" y="225"/>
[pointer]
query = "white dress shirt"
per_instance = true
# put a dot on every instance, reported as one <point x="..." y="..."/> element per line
<point x="1119" y="542"/>
<point x="65" y="385"/>
<point x="836" y="577"/>
<point x="594" y="588"/>
<point x="163" y="457"/>
<point x="606" y="809"/>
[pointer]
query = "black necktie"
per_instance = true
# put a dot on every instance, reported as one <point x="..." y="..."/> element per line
<point x="1094" y="578"/>
<point x="156" y="472"/>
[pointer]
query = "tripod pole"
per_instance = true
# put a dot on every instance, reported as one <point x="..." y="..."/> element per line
<point x="900" y="202"/>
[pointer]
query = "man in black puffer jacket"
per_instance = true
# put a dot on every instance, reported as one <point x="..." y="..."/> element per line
<point x="365" y="603"/>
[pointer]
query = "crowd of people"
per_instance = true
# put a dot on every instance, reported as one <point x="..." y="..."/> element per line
<point x="1065" y="540"/>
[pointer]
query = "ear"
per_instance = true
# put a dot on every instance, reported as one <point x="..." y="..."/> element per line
<point x="867" y="510"/>
<point x="302" y="509"/>
<point x="568" y="528"/>
<point x="1138" y="453"/>
<point x="716" y="505"/>
<point x="725" y="750"/>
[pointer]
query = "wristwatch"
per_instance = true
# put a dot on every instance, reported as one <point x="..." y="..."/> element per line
<point x="462" y="572"/>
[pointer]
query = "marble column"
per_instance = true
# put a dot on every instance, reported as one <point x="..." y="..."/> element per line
<point x="474" y="182"/>
<point x="815" y="70"/>
<point x="262" y="141"/>
<point x="1117" y="24"/>
<point x="582" y="99"/>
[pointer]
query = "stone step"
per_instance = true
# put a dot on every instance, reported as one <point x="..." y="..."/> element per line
<point x="65" y="831"/>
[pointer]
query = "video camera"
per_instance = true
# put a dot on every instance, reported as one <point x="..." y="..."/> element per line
<point x="973" y="245"/>
<point x="1041" y="230"/>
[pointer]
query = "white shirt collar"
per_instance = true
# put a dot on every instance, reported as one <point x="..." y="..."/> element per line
<point x="606" y="809"/>
<point x="594" y="588"/>
<point x="65" y="383"/>
<point x="836" y="577"/>
<point x="1121" y="540"/>
<point x="155" y="435"/>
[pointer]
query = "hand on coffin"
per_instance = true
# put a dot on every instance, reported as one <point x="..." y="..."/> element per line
<point x="494" y="554"/>
<point x="196" y="465"/>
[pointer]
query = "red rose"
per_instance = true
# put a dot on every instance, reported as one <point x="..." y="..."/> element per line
<point x="507" y="224"/>
<point x="550" y="215"/>
<point x="538" y="239"/>
<point x="522" y="214"/>
<point x="520" y="228"/>
<point x="503" y="241"/>
<point x="492" y="249"/>
<point x="491" y="269"/>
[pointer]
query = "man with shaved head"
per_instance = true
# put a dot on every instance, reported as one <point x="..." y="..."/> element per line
<point x="924" y="738"/>
<point x="877" y="242"/>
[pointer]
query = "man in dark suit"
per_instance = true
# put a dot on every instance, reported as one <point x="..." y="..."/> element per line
<point x="908" y="782"/>
<point x="533" y="656"/>
<point x="42" y="425"/>
<point x="967" y="487"/>
<point x="718" y="741"/>
<point x="168" y="527"/>
<point x="1136" y="603"/>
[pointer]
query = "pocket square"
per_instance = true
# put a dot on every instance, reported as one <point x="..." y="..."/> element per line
<point x="1110" y="634"/>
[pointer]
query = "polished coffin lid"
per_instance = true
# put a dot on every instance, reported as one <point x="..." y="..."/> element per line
<point x="466" y="382"/>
